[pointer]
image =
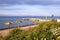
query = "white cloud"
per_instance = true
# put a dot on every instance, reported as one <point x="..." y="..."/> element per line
<point x="28" y="10"/>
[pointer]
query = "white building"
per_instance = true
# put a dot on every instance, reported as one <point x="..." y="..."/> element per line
<point x="58" y="20"/>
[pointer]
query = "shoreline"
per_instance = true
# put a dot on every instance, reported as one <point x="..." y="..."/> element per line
<point x="6" y="31"/>
<point x="16" y="27"/>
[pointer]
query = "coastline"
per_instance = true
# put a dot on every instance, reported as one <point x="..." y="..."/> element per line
<point x="17" y="26"/>
<point x="6" y="31"/>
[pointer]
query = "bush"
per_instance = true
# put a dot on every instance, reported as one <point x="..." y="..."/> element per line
<point x="1" y="37"/>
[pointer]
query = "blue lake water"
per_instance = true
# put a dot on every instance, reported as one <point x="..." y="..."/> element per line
<point x="4" y="19"/>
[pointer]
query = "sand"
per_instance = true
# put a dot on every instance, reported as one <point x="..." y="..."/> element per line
<point x="6" y="31"/>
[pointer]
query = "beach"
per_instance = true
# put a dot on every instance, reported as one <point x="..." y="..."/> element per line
<point x="6" y="31"/>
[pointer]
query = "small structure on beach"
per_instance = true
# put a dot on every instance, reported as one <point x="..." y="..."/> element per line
<point x="58" y="20"/>
<point x="26" y="19"/>
<point x="18" y="22"/>
<point x="8" y="23"/>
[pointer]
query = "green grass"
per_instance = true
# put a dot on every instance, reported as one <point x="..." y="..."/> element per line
<point x="41" y="32"/>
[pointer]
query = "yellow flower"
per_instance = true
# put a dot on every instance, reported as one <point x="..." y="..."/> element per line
<point x="58" y="37"/>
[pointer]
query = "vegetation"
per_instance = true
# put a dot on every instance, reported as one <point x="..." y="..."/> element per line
<point x="44" y="31"/>
<point x="1" y="37"/>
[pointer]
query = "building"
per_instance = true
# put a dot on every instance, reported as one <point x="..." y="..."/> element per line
<point x="58" y="20"/>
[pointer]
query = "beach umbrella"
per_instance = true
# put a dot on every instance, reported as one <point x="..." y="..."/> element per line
<point x="8" y="23"/>
<point x="18" y="21"/>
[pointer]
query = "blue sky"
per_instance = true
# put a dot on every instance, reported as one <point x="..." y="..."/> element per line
<point x="29" y="7"/>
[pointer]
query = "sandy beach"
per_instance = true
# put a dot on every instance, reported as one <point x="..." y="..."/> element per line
<point x="5" y="32"/>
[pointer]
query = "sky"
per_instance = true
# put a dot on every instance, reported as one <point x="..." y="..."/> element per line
<point x="29" y="7"/>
